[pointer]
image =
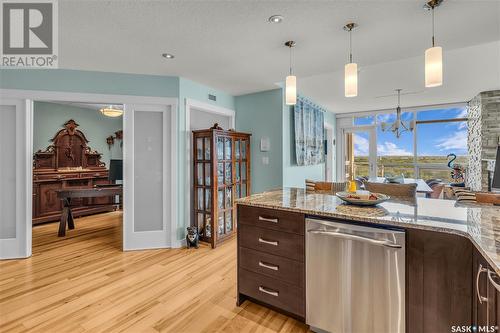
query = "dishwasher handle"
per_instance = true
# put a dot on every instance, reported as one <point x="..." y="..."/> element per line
<point x="385" y="243"/>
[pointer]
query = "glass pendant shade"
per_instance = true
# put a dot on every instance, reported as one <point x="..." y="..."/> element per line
<point x="111" y="112"/>
<point x="291" y="90"/>
<point x="351" y="80"/>
<point x="433" y="67"/>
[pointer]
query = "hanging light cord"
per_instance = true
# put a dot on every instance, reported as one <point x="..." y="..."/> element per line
<point x="350" y="45"/>
<point x="290" y="59"/>
<point x="432" y="11"/>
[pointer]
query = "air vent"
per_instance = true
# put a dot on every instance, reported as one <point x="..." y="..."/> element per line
<point x="212" y="97"/>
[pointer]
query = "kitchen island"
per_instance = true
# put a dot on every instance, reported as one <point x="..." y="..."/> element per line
<point x="452" y="254"/>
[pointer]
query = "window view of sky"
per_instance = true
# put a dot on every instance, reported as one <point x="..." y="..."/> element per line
<point x="437" y="139"/>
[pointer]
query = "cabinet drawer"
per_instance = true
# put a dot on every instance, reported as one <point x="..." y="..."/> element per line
<point x="95" y="174"/>
<point x="280" y="268"/>
<point x="271" y="291"/>
<point x="274" y="242"/>
<point x="57" y="176"/>
<point x="271" y="219"/>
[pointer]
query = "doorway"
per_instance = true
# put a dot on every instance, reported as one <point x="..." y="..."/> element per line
<point x="144" y="127"/>
<point x="329" y="154"/>
<point x="359" y="153"/>
<point x="202" y="116"/>
<point x="77" y="178"/>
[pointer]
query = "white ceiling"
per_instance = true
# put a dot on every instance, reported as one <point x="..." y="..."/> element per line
<point x="229" y="45"/>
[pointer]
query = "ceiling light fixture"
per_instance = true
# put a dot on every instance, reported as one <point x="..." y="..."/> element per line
<point x="351" y="68"/>
<point x="111" y="111"/>
<point x="275" y="19"/>
<point x="291" y="80"/>
<point x="168" y="56"/>
<point x="433" y="55"/>
<point x="399" y="126"/>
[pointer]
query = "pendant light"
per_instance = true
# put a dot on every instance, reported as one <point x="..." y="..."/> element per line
<point x="433" y="55"/>
<point x="399" y="126"/>
<point x="111" y="111"/>
<point x="291" y="80"/>
<point x="351" y="68"/>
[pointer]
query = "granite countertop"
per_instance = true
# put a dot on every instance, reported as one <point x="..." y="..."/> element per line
<point x="479" y="223"/>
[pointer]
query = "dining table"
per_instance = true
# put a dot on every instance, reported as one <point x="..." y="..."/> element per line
<point x="422" y="186"/>
<point x="67" y="194"/>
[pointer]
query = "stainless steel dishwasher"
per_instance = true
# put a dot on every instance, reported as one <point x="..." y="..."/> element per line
<point x="355" y="278"/>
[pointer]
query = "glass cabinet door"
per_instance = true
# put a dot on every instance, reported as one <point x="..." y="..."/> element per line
<point x="228" y="151"/>
<point x="207" y="148"/>
<point x="220" y="148"/>
<point x="221" y="175"/>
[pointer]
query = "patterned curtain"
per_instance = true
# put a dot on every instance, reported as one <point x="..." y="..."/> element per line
<point x="309" y="133"/>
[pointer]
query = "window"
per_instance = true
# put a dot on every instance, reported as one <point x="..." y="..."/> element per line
<point x="394" y="155"/>
<point x="363" y="121"/>
<point x="423" y="152"/>
<point x="440" y="133"/>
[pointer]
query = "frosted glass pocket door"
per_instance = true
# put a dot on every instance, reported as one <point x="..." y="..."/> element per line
<point x="147" y="168"/>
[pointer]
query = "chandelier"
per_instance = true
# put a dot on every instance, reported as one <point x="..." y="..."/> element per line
<point x="111" y="111"/>
<point x="399" y="126"/>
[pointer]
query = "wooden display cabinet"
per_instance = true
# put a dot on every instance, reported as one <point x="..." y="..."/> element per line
<point x="221" y="171"/>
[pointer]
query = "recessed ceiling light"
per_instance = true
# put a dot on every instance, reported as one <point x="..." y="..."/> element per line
<point x="168" y="56"/>
<point x="275" y="19"/>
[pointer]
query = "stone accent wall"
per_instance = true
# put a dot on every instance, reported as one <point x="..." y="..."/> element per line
<point x="483" y="137"/>
<point x="474" y="144"/>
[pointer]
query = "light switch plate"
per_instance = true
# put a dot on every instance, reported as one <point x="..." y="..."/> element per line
<point x="265" y="144"/>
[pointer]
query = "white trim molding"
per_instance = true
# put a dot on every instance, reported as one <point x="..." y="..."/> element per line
<point x="210" y="108"/>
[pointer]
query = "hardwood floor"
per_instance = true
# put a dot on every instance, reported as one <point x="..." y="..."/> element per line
<point x="85" y="283"/>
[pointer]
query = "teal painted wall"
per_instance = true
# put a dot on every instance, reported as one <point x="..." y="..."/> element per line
<point x="49" y="118"/>
<point x="89" y="82"/>
<point x="192" y="90"/>
<point x="294" y="175"/>
<point x="261" y="115"/>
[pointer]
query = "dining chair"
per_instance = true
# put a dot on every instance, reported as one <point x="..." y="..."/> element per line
<point x="399" y="191"/>
<point x="325" y="187"/>
<point x="437" y="189"/>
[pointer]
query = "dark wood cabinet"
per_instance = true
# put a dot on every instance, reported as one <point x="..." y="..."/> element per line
<point x="221" y="174"/>
<point x="486" y="297"/>
<point x="271" y="259"/>
<point x="67" y="163"/>
<point x="438" y="281"/>
<point x="449" y="284"/>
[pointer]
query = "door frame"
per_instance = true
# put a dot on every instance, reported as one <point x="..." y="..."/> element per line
<point x="205" y="107"/>
<point x="23" y="108"/>
<point x="372" y="158"/>
<point x="329" y="157"/>
<point x="172" y="102"/>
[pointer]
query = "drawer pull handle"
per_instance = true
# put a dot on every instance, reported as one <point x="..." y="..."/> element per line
<point x="268" y="291"/>
<point x="268" y="219"/>
<point x="268" y="266"/>
<point x="479" y="296"/>
<point x="274" y="243"/>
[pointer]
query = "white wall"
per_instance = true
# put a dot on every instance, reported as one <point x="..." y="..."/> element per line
<point x="202" y="120"/>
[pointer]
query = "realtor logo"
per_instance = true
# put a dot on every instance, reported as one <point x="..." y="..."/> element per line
<point x="29" y="33"/>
